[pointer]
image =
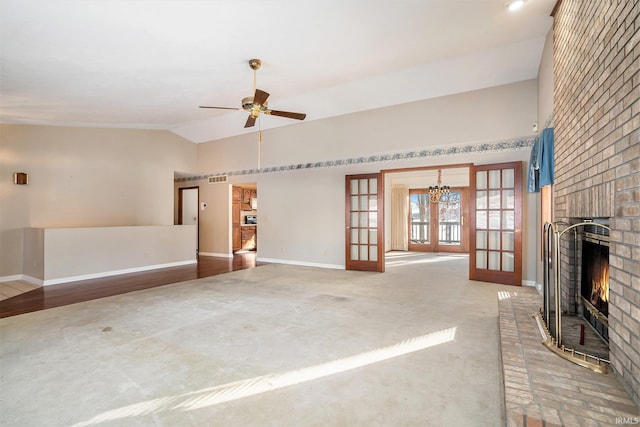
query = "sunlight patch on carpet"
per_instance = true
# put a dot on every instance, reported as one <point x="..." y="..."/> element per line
<point x="253" y="386"/>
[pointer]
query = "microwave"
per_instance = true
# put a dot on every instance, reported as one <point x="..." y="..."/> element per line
<point x="251" y="219"/>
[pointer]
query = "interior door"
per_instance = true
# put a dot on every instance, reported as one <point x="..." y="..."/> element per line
<point x="364" y="218"/>
<point x="496" y="220"/>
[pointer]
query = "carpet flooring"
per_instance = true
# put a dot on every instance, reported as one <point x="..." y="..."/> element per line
<point x="276" y="345"/>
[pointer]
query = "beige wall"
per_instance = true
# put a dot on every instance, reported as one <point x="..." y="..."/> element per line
<point x="492" y="114"/>
<point x="108" y="177"/>
<point x="301" y="213"/>
<point x="545" y="84"/>
<point x="85" y="177"/>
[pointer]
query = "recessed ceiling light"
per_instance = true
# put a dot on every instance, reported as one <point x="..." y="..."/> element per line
<point x="515" y="5"/>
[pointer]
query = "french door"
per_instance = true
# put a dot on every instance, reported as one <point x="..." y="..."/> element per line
<point x="496" y="220"/>
<point x="364" y="218"/>
<point x="440" y="226"/>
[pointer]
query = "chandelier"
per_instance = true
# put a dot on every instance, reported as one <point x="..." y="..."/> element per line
<point x="438" y="192"/>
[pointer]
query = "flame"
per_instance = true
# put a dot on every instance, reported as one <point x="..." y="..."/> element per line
<point x="600" y="286"/>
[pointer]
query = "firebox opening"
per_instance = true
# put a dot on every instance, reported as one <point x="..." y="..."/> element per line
<point x="595" y="278"/>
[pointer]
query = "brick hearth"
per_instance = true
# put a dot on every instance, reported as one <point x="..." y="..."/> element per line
<point x="541" y="388"/>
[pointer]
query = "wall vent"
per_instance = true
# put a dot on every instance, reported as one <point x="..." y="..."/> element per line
<point x="217" y="179"/>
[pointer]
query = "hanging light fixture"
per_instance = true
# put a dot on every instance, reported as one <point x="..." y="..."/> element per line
<point x="438" y="192"/>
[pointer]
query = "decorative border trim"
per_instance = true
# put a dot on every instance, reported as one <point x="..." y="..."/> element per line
<point x="490" y="147"/>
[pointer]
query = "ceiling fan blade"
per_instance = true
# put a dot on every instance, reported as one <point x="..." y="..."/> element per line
<point x="219" y="108"/>
<point x="287" y="114"/>
<point x="260" y="97"/>
<point x="250" y="121"/>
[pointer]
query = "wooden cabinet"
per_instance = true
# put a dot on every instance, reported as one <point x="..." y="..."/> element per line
<point x="235" y="226"/>
<point x="249" y="237"/>
<point x="236" y="194"/>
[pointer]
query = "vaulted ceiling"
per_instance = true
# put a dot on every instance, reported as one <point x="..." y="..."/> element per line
<point x="150" y="63"/>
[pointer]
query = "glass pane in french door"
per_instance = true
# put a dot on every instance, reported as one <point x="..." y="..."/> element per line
<point x="450" y="219"/>
<point x="420" y="218"/>
<point x="496" y="235"/>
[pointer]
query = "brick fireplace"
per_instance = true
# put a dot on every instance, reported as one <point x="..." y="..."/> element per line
<point x="597" y="151"/>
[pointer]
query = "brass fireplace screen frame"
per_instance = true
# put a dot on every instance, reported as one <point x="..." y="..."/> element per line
<point x="552" y="253"/>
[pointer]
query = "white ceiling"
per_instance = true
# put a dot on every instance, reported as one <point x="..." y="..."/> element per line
<point x="150" y="63"/>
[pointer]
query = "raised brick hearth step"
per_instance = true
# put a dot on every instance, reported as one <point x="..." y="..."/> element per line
<point x="541" y="388"/>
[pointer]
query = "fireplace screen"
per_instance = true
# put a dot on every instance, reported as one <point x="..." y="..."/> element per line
<point x="576" y="292"/>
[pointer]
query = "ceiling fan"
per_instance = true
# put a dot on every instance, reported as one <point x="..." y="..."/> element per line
<point x="257" y="103"/>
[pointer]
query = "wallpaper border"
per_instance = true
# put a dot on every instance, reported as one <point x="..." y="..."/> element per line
<point x="489" y="147"/>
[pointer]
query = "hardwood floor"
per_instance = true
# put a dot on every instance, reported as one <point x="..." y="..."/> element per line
<point x="15" y="287"/>
<point x="52" y="296"/>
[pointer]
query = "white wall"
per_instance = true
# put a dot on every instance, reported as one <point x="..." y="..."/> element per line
<point x="85" y="177"/>
<point x="302" y="212"/>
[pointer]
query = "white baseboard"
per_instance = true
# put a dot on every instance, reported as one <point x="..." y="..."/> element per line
<point x="300" y="263"/>
<point x="22" y="277"/>
<point x="215" y="254"/>
<point x="533" y="284"/>
<point x="33" y="280"/>
<point x="12" y="278"/>
<point x="47" y="282"/>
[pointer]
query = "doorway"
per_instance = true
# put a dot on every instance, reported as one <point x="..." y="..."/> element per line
<point x="188" y="213"/>
<point x="244" y="217"/>
<point x="416" y="223"/>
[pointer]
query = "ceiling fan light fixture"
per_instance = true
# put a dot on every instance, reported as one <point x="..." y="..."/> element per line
<point x="514" y="5"/>
<point x="257" y="104"/>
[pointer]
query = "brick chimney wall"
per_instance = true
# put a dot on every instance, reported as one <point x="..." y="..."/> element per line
<point x="597" y="150"/>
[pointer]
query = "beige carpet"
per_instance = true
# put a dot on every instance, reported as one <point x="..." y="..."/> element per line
<point x="277" y="345"/>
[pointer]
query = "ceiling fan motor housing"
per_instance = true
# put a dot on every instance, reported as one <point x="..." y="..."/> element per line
<point x="249" y="106"/>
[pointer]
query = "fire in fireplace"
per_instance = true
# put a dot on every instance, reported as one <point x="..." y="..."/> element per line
<point x="600" y="289"/>
<point x="595" y="278"/>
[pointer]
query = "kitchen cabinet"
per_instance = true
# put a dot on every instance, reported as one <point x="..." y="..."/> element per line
<point x="249" y="237"/>
<point x="236" y="194"/>
<point x="235" y="226"/>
